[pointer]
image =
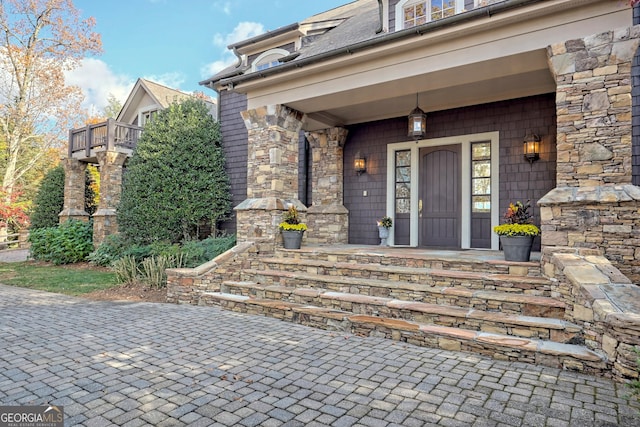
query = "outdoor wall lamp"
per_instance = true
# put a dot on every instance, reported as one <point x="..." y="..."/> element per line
<point x="360" y="164"/>
<point x="417" y="122"/>
<point x="531" y="147"/>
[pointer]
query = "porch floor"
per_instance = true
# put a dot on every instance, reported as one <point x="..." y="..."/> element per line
<point x="411" y="252"/>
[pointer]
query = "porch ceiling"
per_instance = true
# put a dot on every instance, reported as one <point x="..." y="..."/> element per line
<point x="500" y="79"/>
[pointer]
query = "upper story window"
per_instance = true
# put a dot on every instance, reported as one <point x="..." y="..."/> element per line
<point x="147" y="116"/>
<point x="268" y="59"/>
<point x="410" y="13"/>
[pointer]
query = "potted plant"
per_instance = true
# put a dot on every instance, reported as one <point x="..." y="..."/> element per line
<point x="383" y="229"/>
<point x="517" y="234"/>
<point x="291" y="228"/>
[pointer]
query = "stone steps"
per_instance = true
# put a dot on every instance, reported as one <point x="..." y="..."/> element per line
<point x="471" y="260"/>
<point x="427" y="313"/>
<point x="430" y="288"/>
<point x="487" y="300"/>
<point x="455" y="300"/>
<point x="476" y="279"/>
<point x="501" y="346"/>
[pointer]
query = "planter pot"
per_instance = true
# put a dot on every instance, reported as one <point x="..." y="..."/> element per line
<point x="383" y="233"/>
<point x="516" y="248"/>
<point x="292" y="239"/>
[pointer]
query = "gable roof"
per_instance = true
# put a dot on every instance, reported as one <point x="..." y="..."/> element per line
<point x="162" y="96"/>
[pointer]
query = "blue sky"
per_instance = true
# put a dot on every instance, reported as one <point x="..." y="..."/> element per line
<point x="174" y="42"/>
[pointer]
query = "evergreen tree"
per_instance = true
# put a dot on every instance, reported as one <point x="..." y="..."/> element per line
<point x="175" y="182"/>
<point x="49" y="200"/>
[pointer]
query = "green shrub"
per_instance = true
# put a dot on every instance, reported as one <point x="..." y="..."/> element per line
<point x="126" y="269"/>
<point x="110" y="250"/>
<point x="69" y="242"/>
<point x="153" y="269"/>
<point x="175" y="182"/>
<point x="49" y="200"/>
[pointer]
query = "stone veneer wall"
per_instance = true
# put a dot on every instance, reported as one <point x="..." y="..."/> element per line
<point x="185" y="285"/>
<point x="74" y="182"/>
<point x="327" y="218"/>
<point x="601" y="300"/>
<point x="272" y="174"/>
<point x="594" y="204"/>
<point x="111" y="165"/>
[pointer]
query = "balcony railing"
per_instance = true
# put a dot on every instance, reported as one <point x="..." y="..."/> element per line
<point x="105" y="136"/>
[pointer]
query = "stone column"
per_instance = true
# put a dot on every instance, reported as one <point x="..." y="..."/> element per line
<point x="328" y="219"/>
<point x="74" y="182"/>
<point x="593" y="203"/>
<point x="272" y="174"/>
<point x="104" y="219"/>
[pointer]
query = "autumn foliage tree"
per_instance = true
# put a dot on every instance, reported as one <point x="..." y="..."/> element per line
<point x="39" y="41"/>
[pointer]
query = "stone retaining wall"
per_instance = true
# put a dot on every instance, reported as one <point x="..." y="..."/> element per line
<point x="184" y="285"/>
<point x="600" y="299"/>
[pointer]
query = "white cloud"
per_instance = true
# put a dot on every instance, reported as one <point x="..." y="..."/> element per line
<point x="224" y="6"/>
<point x="172" y="80"/>
<point x="242" y="31"/>
<point x="97" y="82"/>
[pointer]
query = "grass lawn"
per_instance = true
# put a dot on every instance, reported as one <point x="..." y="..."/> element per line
<point x="74" y="279"/>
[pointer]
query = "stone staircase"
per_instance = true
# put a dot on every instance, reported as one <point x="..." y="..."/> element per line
<point x="464" y="301"/>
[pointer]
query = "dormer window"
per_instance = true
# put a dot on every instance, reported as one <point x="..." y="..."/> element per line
<point x="410" y="13"/>
<point x="268" y="59"/>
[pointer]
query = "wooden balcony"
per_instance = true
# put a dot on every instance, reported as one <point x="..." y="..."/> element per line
<point x="85" y="142"/>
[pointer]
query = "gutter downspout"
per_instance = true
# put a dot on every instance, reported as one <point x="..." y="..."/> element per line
<point x="381" y="17"/>
<point x="348" y="50"/>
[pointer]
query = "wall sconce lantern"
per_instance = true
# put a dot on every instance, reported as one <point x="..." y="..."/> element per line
<point x="417" y="122"/>
<point x="531" y="147"/>
<point x="360" y="164"/>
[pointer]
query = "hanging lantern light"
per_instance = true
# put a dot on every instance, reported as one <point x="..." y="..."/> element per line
<point x="417" y="122"/>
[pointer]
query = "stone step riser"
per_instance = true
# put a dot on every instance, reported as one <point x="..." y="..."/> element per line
<point x="507" y="283"/>
<point x="529" y="269"/>
<point x="454" y="317"/>
<point x="480" y="303"/>
<point x="515" y="349"/>
<point x="410" y="293"/>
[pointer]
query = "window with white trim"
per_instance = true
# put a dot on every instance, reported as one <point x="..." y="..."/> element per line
<point x="147" y="116"/>
<point x="410" y="13"/>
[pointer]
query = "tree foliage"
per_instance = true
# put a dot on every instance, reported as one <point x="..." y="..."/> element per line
<point x="113" y="107"/>
<point x="175" y="182"/>
<point x="40" y="40"/>
<point x="49" y="201"/>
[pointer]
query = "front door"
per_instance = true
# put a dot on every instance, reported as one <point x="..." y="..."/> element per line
<point x="439" y="205"/>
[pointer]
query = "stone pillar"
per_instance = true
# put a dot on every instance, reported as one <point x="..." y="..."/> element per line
<point x="593" y="203"/>
<point x="327" y="218"/>
<point x="74" y="182"/>
<point x="272" y="174"/>
<point x="104" y="219"/>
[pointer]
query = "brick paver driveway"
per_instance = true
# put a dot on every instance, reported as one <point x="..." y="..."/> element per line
<point x="138" y="364"/>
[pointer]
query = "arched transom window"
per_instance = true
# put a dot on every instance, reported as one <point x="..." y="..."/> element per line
<point x="268" y="59"/>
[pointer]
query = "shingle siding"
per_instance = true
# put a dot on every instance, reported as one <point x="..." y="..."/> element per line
<point x="519" y="180"/>
<point x="234" y="141"/>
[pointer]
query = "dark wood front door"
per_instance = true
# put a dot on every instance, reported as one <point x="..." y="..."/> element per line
<point x="439" y="203"/>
